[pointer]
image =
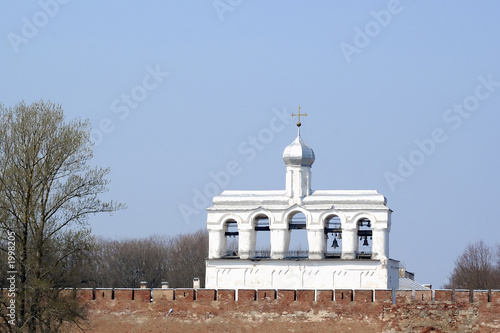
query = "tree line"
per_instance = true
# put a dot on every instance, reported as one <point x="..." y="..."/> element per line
<point x="155" y="259"/>
<point x="125" y="263"/>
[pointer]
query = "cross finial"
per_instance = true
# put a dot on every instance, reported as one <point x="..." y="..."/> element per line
<point x="298" y="115"/>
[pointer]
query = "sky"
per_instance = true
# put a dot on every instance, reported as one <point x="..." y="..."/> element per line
<point x="189" y="98"/>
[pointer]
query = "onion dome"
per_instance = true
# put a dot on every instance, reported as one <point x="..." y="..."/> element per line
<point x="298" y="153"/>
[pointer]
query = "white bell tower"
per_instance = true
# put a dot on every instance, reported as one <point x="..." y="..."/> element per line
<point x="357" y="222"/>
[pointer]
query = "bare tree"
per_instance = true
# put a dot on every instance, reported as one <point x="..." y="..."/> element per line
<point x="187" y="259"/>
<point x="476" y="268"/>
<point x="47" y="192"/>
<point x="498" y="258"/>
<point x="125" y="263"/>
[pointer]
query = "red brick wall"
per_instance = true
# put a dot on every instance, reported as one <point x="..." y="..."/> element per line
<point x="208" y="310"/>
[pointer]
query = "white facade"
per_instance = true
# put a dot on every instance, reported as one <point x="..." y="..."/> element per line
<point x="302" y="274"/>
<point x="359" y="215"/>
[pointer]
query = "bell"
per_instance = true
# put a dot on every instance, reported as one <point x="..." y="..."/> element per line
<point x="335" y="244"/>
<point x="340" y="235"/>
<point x="365" y="243"/>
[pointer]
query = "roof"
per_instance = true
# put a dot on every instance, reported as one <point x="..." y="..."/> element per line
<point x="409" y="284"/>
<point x="319" y="199"/>
<point x="298" y="153"/>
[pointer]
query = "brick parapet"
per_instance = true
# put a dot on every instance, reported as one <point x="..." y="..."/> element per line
<point x="225" y="295"/>
<point x="363" y="296"/>
<point x="325" y="297"/>
<point x="443" y="295"/>
<point x="312" y="310"/>
<point x="266" y="294"/>
<point x="286" y="296"/>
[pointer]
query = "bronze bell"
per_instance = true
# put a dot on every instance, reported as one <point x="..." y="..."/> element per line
<point x="335" y="244"/>
<point x="365" y="243"/>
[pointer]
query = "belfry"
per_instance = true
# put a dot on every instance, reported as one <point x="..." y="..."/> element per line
<point x="356" y="222"/>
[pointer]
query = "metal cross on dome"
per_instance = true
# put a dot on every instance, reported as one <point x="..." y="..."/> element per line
<point x="298" y="115"/>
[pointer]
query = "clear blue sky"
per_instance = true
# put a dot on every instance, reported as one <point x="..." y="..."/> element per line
<point x="176" y="90"/>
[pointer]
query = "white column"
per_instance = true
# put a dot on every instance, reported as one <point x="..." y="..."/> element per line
<point x="216" y="244"/>
<point x="349" y="244"/>
<point x="280" y="238"/>
<point x="286" y="247"/>
<point x="246" y="246"/>
<point x="380" y="245"/>
<point x="316" y="242"/>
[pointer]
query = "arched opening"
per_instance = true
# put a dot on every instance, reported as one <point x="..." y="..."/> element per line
<point x="232" y="239"/>
<point x="298" y="246"/>
<point x="333" y="235"/>
<point x="262" y="237"/>
<point x="364" y="239"/>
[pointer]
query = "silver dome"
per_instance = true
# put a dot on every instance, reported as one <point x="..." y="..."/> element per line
<point x="298" y="153"/>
